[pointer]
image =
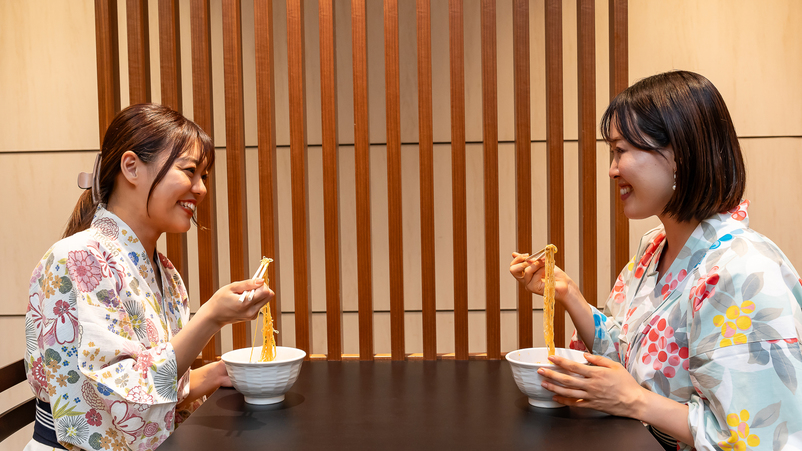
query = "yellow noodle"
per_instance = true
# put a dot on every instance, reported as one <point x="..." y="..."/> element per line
<point x="268" y="333"/>
<point x="548" y="298"/>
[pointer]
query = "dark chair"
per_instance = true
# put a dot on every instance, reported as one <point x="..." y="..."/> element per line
<point x="15" y="418"/>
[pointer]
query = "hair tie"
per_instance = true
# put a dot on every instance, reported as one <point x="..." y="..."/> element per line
<point x="91" y="180"/>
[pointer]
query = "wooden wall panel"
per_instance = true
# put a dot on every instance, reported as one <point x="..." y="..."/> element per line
<point x="362" y="176"/>
<point x="586" y="51"/>
<point x="490" y="138"/>
<point x="394" y="207"/>
<point x="619" y="80"/>
<point x="298" y="157"/>
<point x="426" y="149"/>
<point x="266" y="124"/>
<point x="555" y="186"/>
<point x="203" y="107"/>
<point x="108" y="63"/>
<point x="136" y="13"/>
<point x="171" y="96"/>
<point x="235" y="154"/>
<point x="331" y="191"/>
<point x="523" y="158"/>
<point x="458" y="168"/>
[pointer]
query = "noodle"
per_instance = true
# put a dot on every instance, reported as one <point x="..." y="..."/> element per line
<point x="268" y="333"/>
<point x="548" y="298"/>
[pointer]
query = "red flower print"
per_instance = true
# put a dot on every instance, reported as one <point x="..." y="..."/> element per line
<point x="705" y="288"/>
<point x="671" y="283"/>
<point x="618" y="291"/>
<point x="165" y="262"/>
<point x="576" y="344"/>
<point x="107" y="227"/>
<point x="739" y="213"/>
<point x="143" y="363"/>
<point x="169" y="417"/>
<point x="38" y="372"/>
<point x="64" y="327"/>
<point x="151" y="429"/>
<point x="84" y="270"/>
<point x="93" y="417"/>
<point x="662" y="354"/>
<point x="647" y="256"/>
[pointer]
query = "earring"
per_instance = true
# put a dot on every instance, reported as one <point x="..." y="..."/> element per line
<point x="674" y="187"/>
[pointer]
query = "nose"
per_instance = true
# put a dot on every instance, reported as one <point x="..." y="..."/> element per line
<point x="199" y="189"/>
<point x="613" y="171"/>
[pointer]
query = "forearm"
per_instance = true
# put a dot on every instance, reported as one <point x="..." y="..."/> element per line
<point x="189" y="342"/>
<point x="581" y="314"/>
<point x="204" y="381"/>
<point x="664" y="414"/>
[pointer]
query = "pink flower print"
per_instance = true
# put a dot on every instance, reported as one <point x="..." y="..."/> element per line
<point x="84" y="270"/>
<point x="165" y="262"/>
<point x="739" y="213"/>
<point x="647" y="256"/>
<point x="64" y="327"/>
<point x="125" y="420"/>
<point x="734" y="323"/>
<point x="618" y="291"/>
<point x="107" y="227"/>
<point x="705" y="288"/>
<point x="37" y="273"/>
<point x="93" y="417"/>
<point x="151" y="429"/>
<point x="662" y="354"/>
<point x="671" y="283"/>
<point x="169" y="418"/>
<point x="139" y="396"/>
<point x="143" y="363"/>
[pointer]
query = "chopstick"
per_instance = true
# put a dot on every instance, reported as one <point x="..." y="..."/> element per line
<point x="259" y="274"/>
<point x="537" y="255"/>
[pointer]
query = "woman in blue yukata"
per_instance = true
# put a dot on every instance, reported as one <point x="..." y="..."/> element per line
<point x="104" y="356"/>
<point x="699" y="338"/>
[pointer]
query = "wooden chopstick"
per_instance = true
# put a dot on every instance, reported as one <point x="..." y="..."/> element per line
<point x="259" y="272"/>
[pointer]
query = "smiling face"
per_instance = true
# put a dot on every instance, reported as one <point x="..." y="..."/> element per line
<point x="174" y="199"/>
<point x="644" y="177"/>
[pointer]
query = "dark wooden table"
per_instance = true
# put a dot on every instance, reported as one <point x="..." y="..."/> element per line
<point x="413" y="405"/>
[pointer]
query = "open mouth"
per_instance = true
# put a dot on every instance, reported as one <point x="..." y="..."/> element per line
<point x="624" y="190"/>
<point x="188" y="205"/>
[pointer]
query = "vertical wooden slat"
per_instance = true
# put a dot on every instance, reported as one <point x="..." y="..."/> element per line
<point x="331" y="191"/>
<point x="266" y="125"/>
<point x="136" y="13"/>
<point x="298" y="159"/>
<point x="586" y="51"/>
<point x="395" y="217"/>
<point x="458" y="196"/>
<point x="108" y="63"/>
<point x="202" y="105"/>
<point x="235" y="154"/>
<point x="619" y="80"/>
<point x="170" y="67"/>
<point x="426" y="144"/>
<point x="362" y="176"/>
<point x="523" y="158"/>
<point x="490" y="139"/>
<point x="555" y="190"/>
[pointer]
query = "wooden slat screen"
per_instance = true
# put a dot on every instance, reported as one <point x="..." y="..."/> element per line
<point x="203" y="102"/>
<point x="137" y="26"/>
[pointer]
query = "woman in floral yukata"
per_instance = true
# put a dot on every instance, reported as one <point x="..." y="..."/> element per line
<point x="699" y="338"/>
<point x="104" y="357"/>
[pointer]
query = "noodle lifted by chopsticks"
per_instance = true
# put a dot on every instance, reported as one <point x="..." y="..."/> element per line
<point x="268" y="333"/>
<point x="548" y="298"/>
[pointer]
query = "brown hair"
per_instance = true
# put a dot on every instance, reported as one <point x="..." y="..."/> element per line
<point x="685" y="110"/>
<point x="147" y="129"/>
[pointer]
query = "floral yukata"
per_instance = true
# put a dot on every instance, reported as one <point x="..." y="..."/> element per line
<point x="98" y="332"/>
<point x="719" y="332"/>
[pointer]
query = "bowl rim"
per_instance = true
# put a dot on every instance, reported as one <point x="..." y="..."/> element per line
<point x="301" y="356"/>
<point x="510" y="359"/>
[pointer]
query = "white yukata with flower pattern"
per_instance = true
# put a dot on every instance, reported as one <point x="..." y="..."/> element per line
<point x="719" y="332"/>
<point x="98" y="332"/>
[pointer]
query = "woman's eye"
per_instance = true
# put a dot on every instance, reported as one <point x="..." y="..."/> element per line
<point x="190" y="169"/>
<point x="205" y="177"/>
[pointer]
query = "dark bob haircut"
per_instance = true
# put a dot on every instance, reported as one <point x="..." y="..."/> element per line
<point x="685" y="110"/>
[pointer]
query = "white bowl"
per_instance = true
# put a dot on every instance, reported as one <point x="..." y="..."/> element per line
<point x="263" y="382"/>
<point x="526" y="362"/>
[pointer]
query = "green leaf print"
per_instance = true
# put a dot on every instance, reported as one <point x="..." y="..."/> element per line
<point x="661" y="382"/>
<point x="752" y="286"/>
<point x="49" y="262"/>
<point x="66" y="285"/>
<point x="767" y="314"/>
<point x="758" y="355"/>
<point x="706" y="381"/>
<point x="762" y="332"/>
<point x="65" y="410"/>
<point x="50" y="355"/>
<point x="767" y="416"/>
<point x="725" y="285"/>
<point x="709" y="232"/>
<point x="94" y="441"/>
<point x="72" y="376"/>
<point x="780" y="436"/>
<point x="783" y="367"/>
<point x="683" y="393"/>
<point x="709" y="342"/>
<point x="739" y="246"/>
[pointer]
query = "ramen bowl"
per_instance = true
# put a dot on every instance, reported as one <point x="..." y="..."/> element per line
<point x="263" y="382"/>
<point x="526" y="362"/>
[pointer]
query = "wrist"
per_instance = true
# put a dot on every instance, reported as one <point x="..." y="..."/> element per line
<point x="639" y="404"/>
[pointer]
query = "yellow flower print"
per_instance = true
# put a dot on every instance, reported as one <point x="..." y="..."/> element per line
<point x="740" y="436"/>
<point x="62" y="380"/>
<point x="733" y="322"/>
<point x="631" y="265"/>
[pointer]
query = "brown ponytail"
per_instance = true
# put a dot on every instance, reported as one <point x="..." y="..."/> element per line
<point x="147" y="129"/>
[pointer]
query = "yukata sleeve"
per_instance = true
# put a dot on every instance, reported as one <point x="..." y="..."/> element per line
<point x="126" y="390"/>
<point x="745" y="362"/>
<point x="607" y="325"/>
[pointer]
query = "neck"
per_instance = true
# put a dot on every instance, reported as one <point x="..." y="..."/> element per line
<point x="677" y="234"/>
<point x="148" y="236"/>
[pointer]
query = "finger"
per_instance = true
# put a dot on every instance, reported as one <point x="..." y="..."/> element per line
<point x="599" y="360"/>
<point x="563" y="391"/>
<point x="518" y="270"/>
<point x="563" y="379"/>
<point x="570" y="365"/>
<point x="573" y="402"/>
<point x="245" y="285"/>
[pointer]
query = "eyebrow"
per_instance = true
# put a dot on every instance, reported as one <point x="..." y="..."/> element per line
<point x="189" y="159"/>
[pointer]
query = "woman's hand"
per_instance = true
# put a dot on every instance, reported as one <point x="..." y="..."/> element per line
<point x="531" y="274"/>
<point x="225" y="308"/>
<point x="607" y="386"/>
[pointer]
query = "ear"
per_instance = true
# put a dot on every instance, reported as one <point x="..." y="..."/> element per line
<point x="131" y="167"/>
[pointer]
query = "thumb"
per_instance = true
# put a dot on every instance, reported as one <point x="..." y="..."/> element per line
<point x="245" y="285"/>
<point x="597" y="360"/>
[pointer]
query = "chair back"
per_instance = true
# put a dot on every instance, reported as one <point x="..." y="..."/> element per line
<point x="19" y="416"/>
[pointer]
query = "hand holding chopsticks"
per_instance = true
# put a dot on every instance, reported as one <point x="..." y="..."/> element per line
<point x="260" y="274"/>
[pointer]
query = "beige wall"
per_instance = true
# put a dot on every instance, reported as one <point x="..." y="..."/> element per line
<point x="48" y="132"/>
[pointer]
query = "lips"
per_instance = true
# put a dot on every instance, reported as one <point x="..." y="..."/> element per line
<point x="624" y="190"/>
<point x="188" y="205"/>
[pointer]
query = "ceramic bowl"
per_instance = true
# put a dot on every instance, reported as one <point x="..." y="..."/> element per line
<point x="526" y="362"/>
<point x="263" y="382"/>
